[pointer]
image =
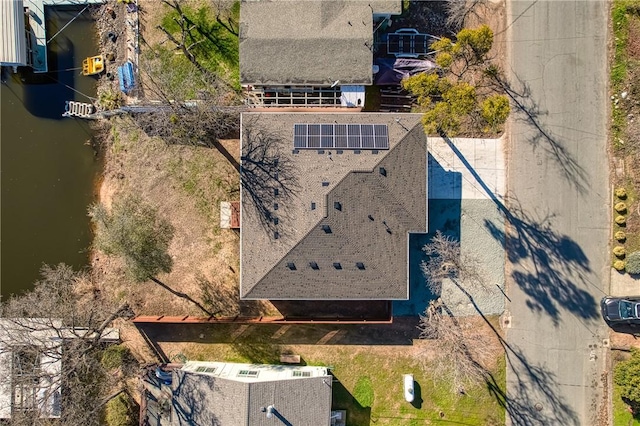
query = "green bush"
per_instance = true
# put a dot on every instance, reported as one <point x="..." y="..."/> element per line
<point x="633" y="263"/>
<point x="620" y="220"/>
<point x="620" y="236"/>
<point x="121" y="411"/>
<point x="619" y="265"/>
<point x="619" y="251"/>
<point x="115" y="356"/>
<point x="626" y="374"/>
<point x="621" y="193"/>
<point x="621" y="208"/>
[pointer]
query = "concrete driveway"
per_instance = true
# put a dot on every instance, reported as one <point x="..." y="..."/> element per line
<point x="558" y="212"/>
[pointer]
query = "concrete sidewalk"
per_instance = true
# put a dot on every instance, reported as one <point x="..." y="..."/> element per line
<point x="624" y="284"/>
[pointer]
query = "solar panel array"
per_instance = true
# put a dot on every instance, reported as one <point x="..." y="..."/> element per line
<point x="340" y="136"/>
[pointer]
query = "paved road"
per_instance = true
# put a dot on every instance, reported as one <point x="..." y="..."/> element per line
<point x="558" y="211"/>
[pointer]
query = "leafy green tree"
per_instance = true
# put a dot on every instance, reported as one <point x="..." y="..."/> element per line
<point x="495" y="110"/>
<point x="134" y="231"/>
<point x="476" y="40"/>
<point x="426" y="87"/>
<point x="449" y="98"/>
<point x="627" y="375"/>
<point x="461" y="97"/>
<point x="440" y="119"/>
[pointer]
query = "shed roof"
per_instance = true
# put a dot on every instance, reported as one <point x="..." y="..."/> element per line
<point x="364" y="254"/>
<point x="13" y="41"/>
<point x="314" y="42"/>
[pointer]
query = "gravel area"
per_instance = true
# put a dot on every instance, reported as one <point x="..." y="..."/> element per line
<point x="481" y="236"/>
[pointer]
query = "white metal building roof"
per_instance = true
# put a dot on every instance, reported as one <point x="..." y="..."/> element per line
<point x="13" y="41"/>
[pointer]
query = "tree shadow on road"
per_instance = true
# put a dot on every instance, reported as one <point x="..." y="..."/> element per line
<point x="533" y="398"/>
<point x="558" y="264"/>
<point x="558" y="261"/>
<point x="526" y="110"/>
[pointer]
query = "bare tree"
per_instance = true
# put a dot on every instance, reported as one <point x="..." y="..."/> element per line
<point x="190" y="107"/>
<point x="51" y="341"/>
<point x="467" y="350"/>
<point x="457" y="12"/>
<point x="135" y="231"/>
<point x="446" y="261"/>
<point x="267" y="177"/>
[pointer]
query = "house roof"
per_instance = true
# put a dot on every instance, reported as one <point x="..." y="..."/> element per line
<point x="13" y="43"/>
<point x="371" y="228"/>
<point x="315" y="42"/>
<point x="200" y="398"/>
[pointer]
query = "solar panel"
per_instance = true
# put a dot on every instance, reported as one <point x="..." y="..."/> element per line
<point x="300" y="136"/>
<point x="340" y="136"/>
<point x="314" y="136"/>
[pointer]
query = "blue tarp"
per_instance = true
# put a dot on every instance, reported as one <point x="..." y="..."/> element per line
<point x="126" y="77"/>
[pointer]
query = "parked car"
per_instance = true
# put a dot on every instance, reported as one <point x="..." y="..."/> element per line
<point x="408" y="387"/>
<point x="621" y="310"/>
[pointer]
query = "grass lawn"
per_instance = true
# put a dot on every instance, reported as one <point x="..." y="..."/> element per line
<point x="621" y="416"/>
<point x="370" y="385"/>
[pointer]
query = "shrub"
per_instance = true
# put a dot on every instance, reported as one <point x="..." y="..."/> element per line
<point x="633" y="263"/>
<point x="626" y="374"/>
<point x="621" y="208"/>
<point x="621" y="193"/>
<point x="115" y="356"/>
<point x="619" y="251"/>
<point x="619" y="265"/>
<point x="620" y="220"/>
<point x="121" y="411"/>
<point x="495" y="110"/>
<point x="620" y="236"/>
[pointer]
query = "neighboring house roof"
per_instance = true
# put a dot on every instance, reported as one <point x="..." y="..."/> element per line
<point x="13" y="42"/>
<point x="377" y="212"/>
<point x="45" y="334"/>
<point x="223" y="398"/>
<point x="315" y="42"/>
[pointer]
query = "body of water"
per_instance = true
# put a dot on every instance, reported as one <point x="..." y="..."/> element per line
<point x="48" y="166"/>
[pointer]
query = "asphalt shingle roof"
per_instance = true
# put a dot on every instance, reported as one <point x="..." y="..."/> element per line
<point x="205" y="400"/>
<point x="371" y="227"/>
<point x="314" y="42"/>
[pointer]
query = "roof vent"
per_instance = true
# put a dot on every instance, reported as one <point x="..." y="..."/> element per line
<point x="360" y="266"/>
<point x="276" y="235"/>
<point x="276" y="220"/>
<point x="326" y="229"/>
<point x="291" y="266"/>
<point x="325" y="183"/>
<point x="337" y="205"/>
<point x="275" y="206"/>
<point x="337" y="265"/>
<point x="314" y="265"/>
<point x="275" y="191"/>
<point x="383" y="171"/>
<point x="313" y="206"/>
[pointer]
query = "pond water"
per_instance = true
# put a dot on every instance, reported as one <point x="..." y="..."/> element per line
<point x="48" y="167"/>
